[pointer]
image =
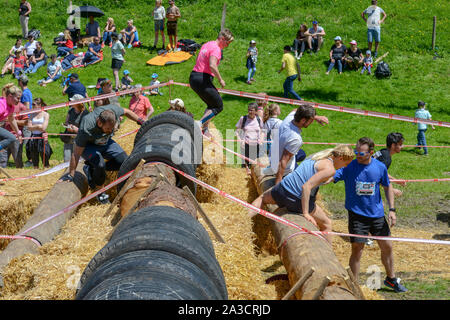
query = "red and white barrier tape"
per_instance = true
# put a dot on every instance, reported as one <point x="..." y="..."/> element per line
<point x="95" y="98"/>
<point x="235" y="153"/>
<point x="79" y="202"/>
<point x="327" y="106"/>
<point x="421" y="180"/>
<point x="57" y="168"/>
<point x="292" y="224"/>
<point x="21" y="237"/>
<point x="347" y="144"/>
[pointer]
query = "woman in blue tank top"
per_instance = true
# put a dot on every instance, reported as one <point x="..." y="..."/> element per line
<point x="297" y="191"/>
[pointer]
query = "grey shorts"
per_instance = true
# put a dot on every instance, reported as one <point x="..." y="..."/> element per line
<point x="159" y="25"/>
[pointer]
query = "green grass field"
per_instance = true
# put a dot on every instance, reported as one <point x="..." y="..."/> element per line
<point x="418" y="73"/>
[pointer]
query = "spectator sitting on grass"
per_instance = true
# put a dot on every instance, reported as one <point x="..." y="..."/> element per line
<point x="66" y="46"/>
<point x="337" y="54"/>
<point x="93" y="53"/>
<point x="126" y="80"/>
<point x="130" y="35"/>
<point x="54" y="71"/>
<point x="315" y="37"/>
<point x="19" y="64"/>
<point x="353" y="56"/>
<point x="109" y="29"/>
<point x="12" y="54"/>
<point x="178" y="105"/>
<point x="37" y="60"/>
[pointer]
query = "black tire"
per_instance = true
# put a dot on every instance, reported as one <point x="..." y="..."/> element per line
<point x="179" y="119"/>
<point x="150" y="260"/>
<point x="164" y="134"/>
<point x="158" y="153"/>
<point x="163" y="214"/>
<point x="162" y="240"/>
<point x="174" y="117"/>
<point x="145" y="285"/>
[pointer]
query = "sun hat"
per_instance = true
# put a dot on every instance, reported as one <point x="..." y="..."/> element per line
<point x="177" y="103"/>
<point x="353" y="42"/>
<point x="338" y="38"/>
<point x="76" y="97"/>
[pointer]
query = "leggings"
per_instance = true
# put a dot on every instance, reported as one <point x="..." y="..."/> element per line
<point x="202" y="85"/>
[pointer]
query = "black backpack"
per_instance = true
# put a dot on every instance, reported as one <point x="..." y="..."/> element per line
<point x="35" y="33"/>
<point x="382" y="70"/>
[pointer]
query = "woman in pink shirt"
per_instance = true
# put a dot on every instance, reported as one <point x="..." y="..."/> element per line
<point x="10" y="98"/>
<point x="201" y="78"/>
<point x="140" y="105"/>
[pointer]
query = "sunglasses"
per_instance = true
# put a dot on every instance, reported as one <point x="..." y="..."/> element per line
<point x="362" y="154"/>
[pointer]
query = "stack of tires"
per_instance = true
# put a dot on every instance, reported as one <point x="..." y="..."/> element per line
<point x="171" y="137"/>
<point x="156" y="253"/>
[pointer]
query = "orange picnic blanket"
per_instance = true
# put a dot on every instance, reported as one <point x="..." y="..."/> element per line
<point x="169" y="58"/>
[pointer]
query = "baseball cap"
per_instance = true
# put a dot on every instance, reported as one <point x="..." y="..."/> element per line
<point x="253" y="41"/>
<point x="315" y="22"/>
<point x="76" y="97"/>
<point x="368" y="52"/>
<point x="338" y="38"/>
<point x="154" y="76"/>
<point x="353" y="42"/>
<point x="125" y="72"/>
<point x="73" y="75"/>
<point x="421" y="103"/>
<point x="177" y="102"/>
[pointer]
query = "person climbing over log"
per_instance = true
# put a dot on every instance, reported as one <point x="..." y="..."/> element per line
<point x="201" y="77"/>
<point x="93" y="142"/>
<point x="297" y="191"/>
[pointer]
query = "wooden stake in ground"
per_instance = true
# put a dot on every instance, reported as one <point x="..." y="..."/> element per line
<point x="382" y="57"/>
<point x="5" y="173"/>
<point x="203" y="214"/>
<point x="298" y="284"/>
<point x="433" y="37"/>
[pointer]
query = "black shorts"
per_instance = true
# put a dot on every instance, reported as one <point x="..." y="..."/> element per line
<point x="171" y="28"/>
<point x="284" y="199"/>
<point x="202" y="84"/>
<point x="361" y="225"/>
<point x="116" y="64"/>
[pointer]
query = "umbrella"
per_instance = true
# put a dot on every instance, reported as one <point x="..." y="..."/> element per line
<point x="86" y="11"/>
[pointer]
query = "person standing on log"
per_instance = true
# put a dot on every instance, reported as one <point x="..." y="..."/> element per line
<point x="297" y="191"/>
<point x="287" y="140"/>
<point x="93" y="142"/>
<point x="201" y="77"/>
<point x="363" y="202"/>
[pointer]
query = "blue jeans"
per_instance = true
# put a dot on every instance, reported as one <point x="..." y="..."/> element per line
<point x="251" y="73"/>
<point x="17" y="72"/>
<point x="373" y="34"/>
<point x="107" y="37"/>
<point x="288" y="87"/>
<point x="422" y="141"/>
<point x="89" y="58"/>
<point x="62" y="51"/>
<point x="33" y="68"/>
<point x="6" y="138"/>
<point x="339" y="65"/>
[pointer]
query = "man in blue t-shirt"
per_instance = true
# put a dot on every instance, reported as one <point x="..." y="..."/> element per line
<point x="74" y="86"/>
<point x="363" y="202"/>
<point x="93" y="52"/>
<point x="92" y="28"/>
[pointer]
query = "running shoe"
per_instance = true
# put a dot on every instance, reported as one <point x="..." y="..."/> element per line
<point x="394" y="283"/>
<point x="103" y="198"/>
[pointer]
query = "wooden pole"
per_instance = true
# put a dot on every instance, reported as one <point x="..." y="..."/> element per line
<point x="358" y="290"/>
<point x="433" y="37"/>
<point x="298" y="284"/>
<point x="5" y="173"/>
<point x="321" y="288"/>
<point x="301" y="253"/>
<point x="124" y="189"/>
<point x="224" y="13"/>
<point x="204" y="216"/>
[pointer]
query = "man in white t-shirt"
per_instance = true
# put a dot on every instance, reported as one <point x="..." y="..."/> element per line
<point x="287" y="140"/>
<point x="315" y="36"/>
<point x="374" y="22"/>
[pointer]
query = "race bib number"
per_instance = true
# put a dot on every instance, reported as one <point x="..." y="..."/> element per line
<point x="365" y="188"/>
<point x="101" y="141"/>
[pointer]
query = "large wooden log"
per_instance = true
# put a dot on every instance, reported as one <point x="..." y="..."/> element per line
<point x="59" y="197"/>
<point x="301" y="252"/>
